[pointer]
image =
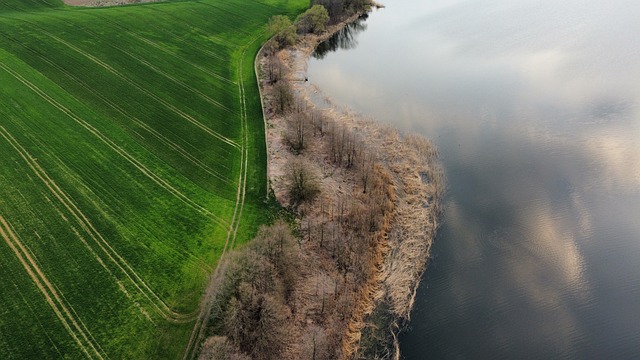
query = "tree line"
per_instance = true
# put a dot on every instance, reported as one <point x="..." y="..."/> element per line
<point x="296" y="289"/>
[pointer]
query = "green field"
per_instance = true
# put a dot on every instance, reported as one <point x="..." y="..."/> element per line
<point x="131" y="153"/>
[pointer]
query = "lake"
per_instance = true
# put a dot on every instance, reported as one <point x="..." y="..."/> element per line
<point x="534" y="106"/>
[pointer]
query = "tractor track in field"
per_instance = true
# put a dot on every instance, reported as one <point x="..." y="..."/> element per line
<point x="164" y="74"/>
<point x="74" y="326"/>
<point x="120" y="263"/>
<point x="198" y="330"/>
<point x="163" y="139"/>
<point x="115" y="147"/>
<point x="140" y="88"/>
<point x="232" y="232"/>
<point x="128" y="31"/>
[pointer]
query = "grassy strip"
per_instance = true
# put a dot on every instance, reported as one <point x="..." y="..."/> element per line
<point x="119" y="168"/>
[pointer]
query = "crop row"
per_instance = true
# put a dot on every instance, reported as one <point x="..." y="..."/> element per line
<point x="131" y="157"/>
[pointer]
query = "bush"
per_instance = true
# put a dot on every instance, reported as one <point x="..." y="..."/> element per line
<point x="302" y="182"/>
<point x="251" y="313"/>
<point x="285" y="33"/>
<point x="313" y="20"/>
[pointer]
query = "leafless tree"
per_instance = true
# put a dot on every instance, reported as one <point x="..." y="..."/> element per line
<point x="283" y="97"/>
<point x="274" y="68"/>
<point x="302" y="182"/>
<point x="220" y="348"/>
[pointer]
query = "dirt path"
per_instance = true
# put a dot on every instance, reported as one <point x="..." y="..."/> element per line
<point x="167" y="105"/>
<point x="113" y="256"/>
<point x="118" y="149"/>
<point x="74" y="326"/>
<point x="197" y="333"/>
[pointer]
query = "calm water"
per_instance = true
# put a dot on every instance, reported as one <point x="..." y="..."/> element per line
<point x="534" y="105"/>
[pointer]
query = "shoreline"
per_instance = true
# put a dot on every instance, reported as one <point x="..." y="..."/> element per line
<point x="416" y="181"/>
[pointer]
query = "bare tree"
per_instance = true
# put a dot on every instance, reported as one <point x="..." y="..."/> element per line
<point x="220" y="348"/>
<point x="302" y="182"/>
<point x="365" y="170"/>
<point x="274" y="68"/>
<point x="298" y="129"/>
<point x="319" y="122"/>
<point x="283" y="97"/>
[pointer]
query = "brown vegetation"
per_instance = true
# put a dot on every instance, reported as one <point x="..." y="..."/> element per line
<point x="366" y="213"/>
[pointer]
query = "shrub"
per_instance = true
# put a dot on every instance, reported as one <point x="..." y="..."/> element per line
<point x="285" y="33"/>
<point x="302" y="182"/>
<point x="313" y="20"/>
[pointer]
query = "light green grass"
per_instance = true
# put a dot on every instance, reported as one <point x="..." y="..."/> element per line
<point x="121" y="141"/>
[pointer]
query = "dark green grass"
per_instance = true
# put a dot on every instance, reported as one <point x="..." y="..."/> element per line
<point x="127" y="114"/>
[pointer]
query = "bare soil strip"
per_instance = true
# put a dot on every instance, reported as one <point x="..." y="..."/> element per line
<point x="100" y="3"/>
<point x="207" y="301"/>
<point x="80" y="333"/>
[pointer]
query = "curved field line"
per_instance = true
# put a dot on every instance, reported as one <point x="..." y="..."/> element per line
<point x="174" y="146"/>
<point x="168" y="76"/>
<point x="171" y="53"/>
<point x="166" y="51"/>
<point x="154" y="299"/>
<point x="169" y="106"/>
<point x="175" y="80"/>
<point x="68" y="320"/>
<point x="198" y="329"/>
<point x="115" y="147"/>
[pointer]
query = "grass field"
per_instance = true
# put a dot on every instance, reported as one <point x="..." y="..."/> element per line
<point x="131" y="155"/>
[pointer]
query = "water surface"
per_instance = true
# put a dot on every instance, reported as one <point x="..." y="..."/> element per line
<point x="534" y="106"/>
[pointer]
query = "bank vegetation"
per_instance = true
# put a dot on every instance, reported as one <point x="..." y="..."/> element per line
<point x="338" y="280"/>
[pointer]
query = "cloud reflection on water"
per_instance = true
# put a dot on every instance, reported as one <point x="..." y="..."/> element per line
<point x="534" y="105"/>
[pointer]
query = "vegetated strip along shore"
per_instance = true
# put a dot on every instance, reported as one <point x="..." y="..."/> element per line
<point x="346" y="286"/>
<point x="417" y="178"/>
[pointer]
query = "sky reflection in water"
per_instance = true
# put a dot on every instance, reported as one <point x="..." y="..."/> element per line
<point x="534" y="106"/>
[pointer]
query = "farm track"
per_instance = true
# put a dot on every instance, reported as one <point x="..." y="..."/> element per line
<point x="120" y="263"/>
<point x="163" y="49"/>
<point x="198" y="331"/>
<point x="159" y="71"/>
<point x="124" y="147"/>
<point x="142" y="89"/>
<point x="173" y="79"/>
<point x="173" y="54"/>
<point x="115" y="147"/>
<point x="168" y="142"/>
<point x="78" y="331"/>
